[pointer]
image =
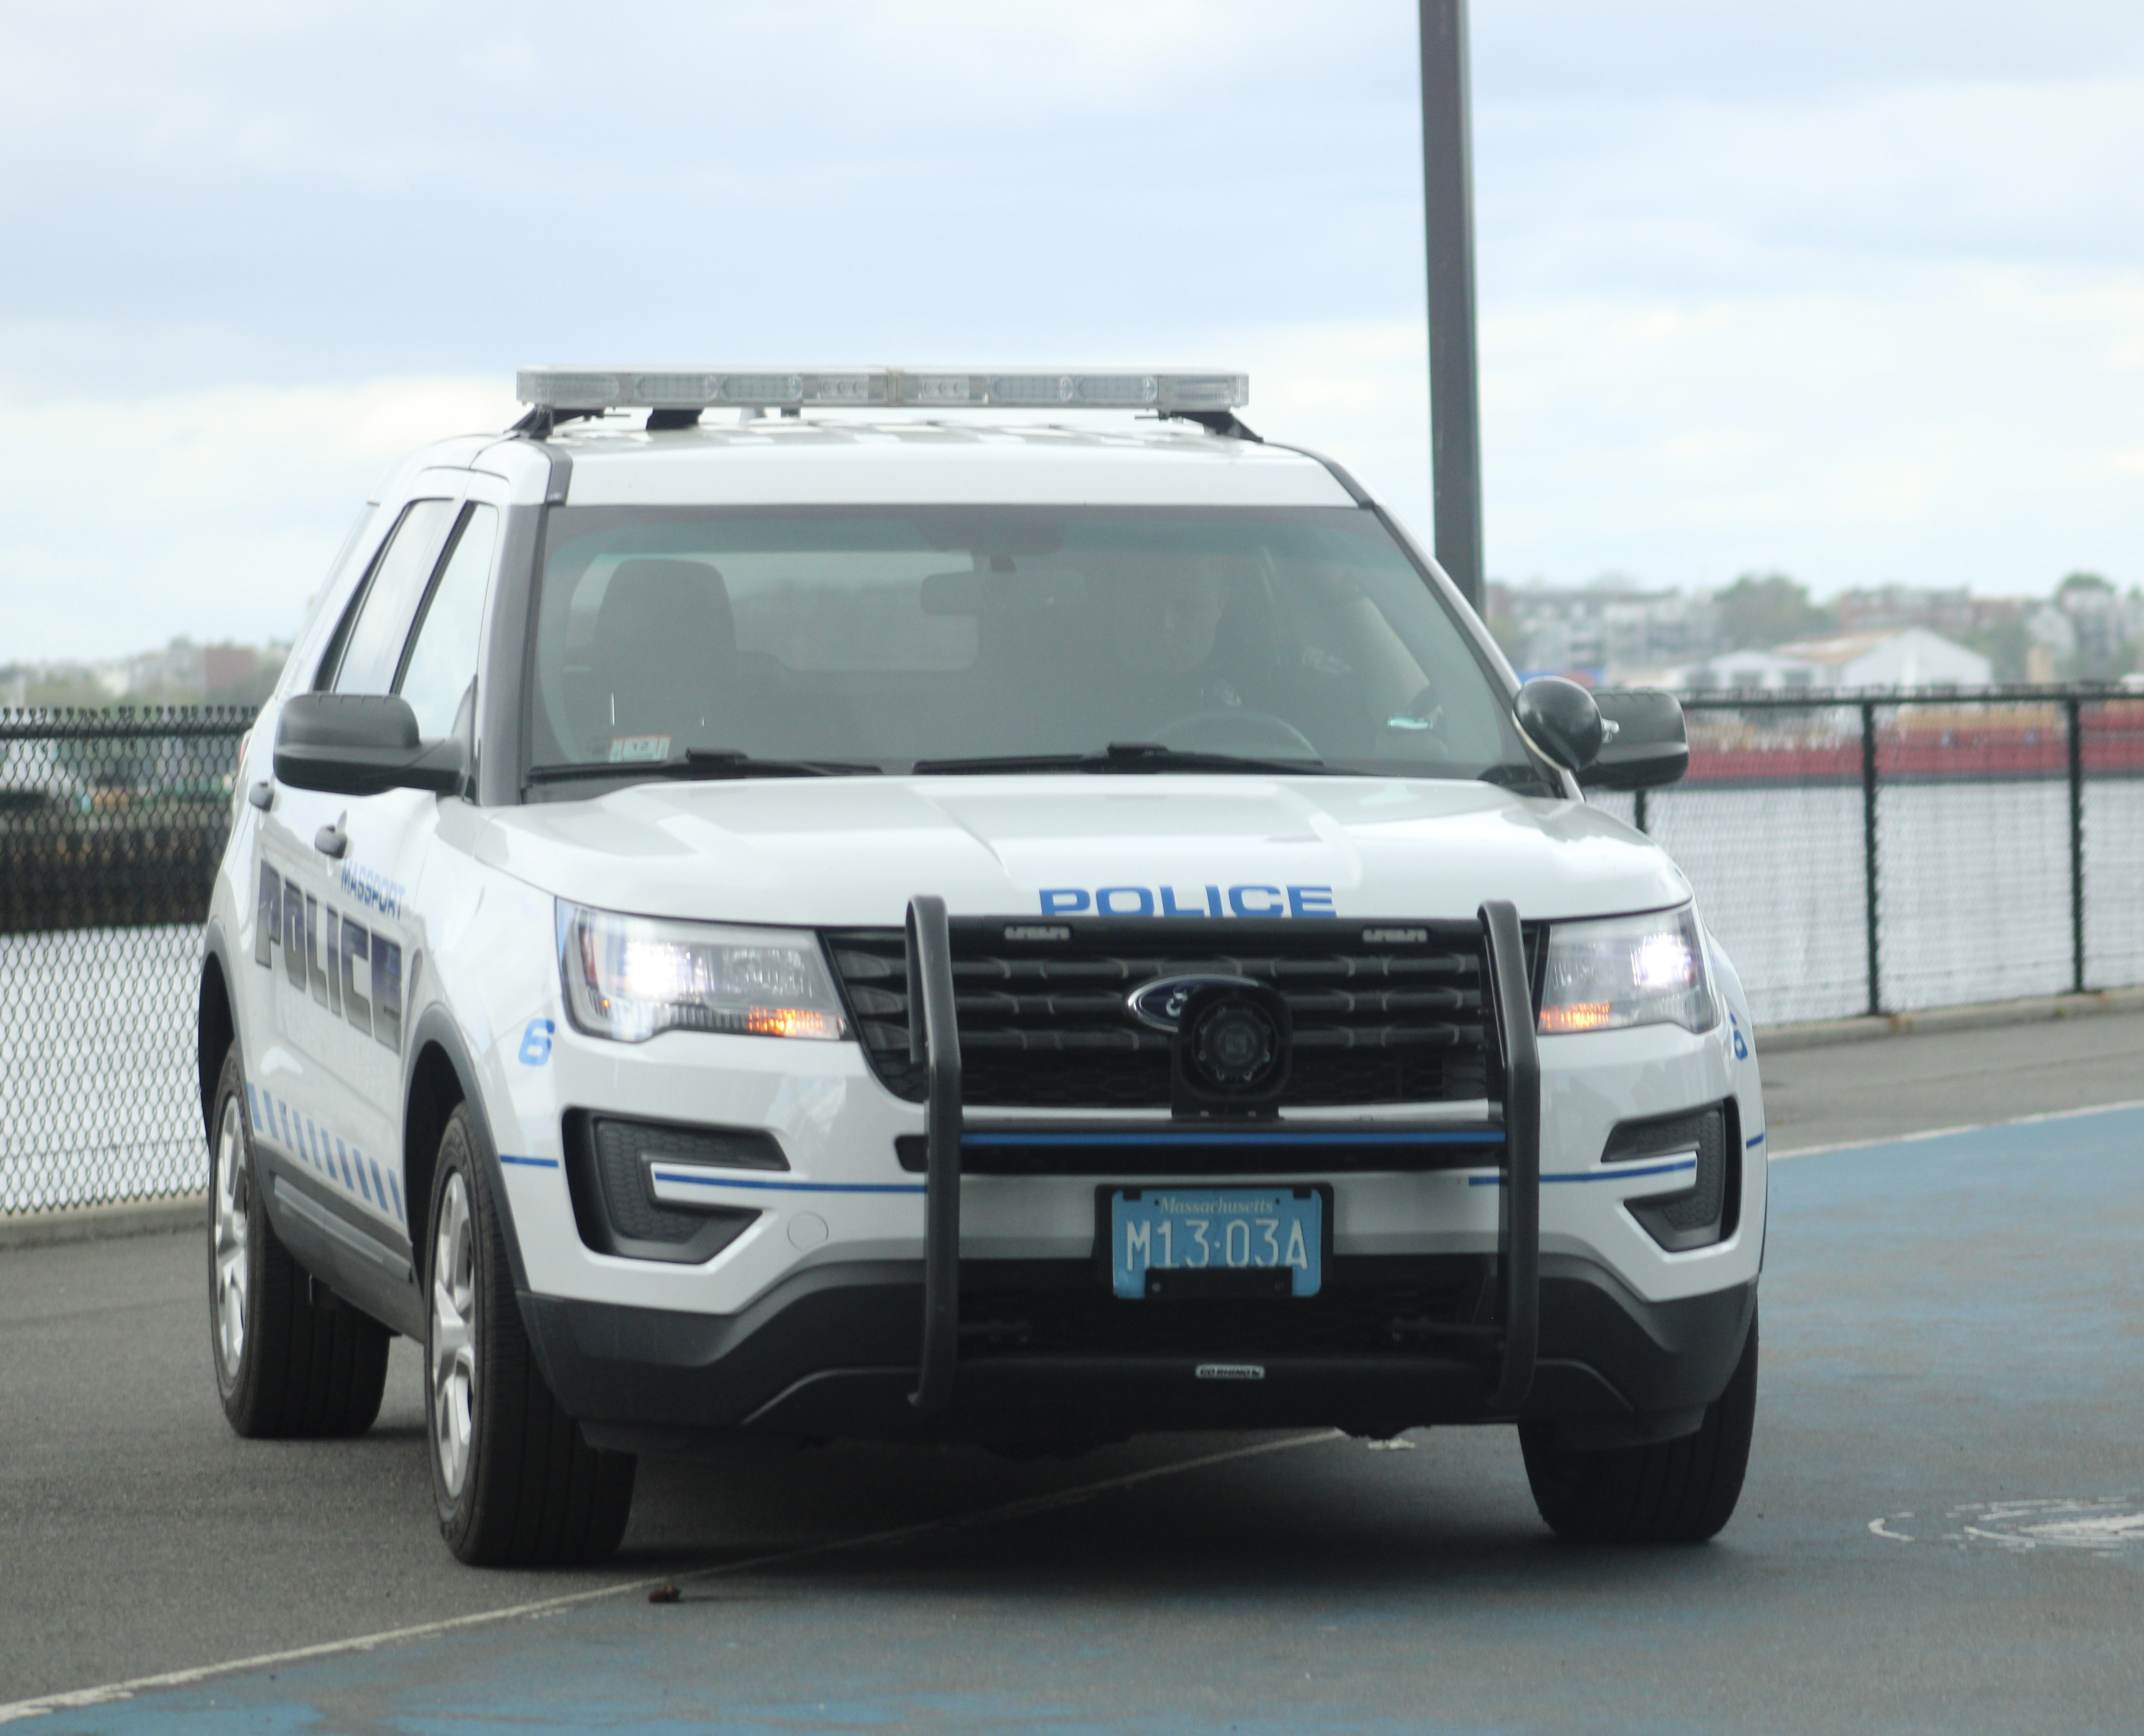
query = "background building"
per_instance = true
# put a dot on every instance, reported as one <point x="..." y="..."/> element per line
<point x="1764" y="630"/>
<point x="1908" y="657"/>
<point x="1600" y="633"/>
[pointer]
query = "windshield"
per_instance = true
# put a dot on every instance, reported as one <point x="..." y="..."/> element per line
<point x="874" y="638"/>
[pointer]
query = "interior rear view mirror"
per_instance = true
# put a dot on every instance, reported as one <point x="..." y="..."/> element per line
<point x="987" y="593"/>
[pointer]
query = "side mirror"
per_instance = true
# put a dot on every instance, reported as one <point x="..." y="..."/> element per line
<point x="1648" y="747"/>
<point x="1560" y="720"/>
<point x="361" y="744"/>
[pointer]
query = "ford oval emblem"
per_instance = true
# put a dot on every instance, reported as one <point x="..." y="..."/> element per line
<point x="1161" y="1003"/>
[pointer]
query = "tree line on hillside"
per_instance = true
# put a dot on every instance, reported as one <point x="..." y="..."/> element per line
<point x="182" y="674"/>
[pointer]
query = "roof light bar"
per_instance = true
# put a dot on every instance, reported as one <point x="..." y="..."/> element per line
<point x="601" y="389"/>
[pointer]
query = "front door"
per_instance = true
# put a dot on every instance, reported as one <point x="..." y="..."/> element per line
<point x="337" y="926"/>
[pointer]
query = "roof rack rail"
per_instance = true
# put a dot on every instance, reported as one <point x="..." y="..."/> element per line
<point x="539" y="423"/>
<point x="1225" y="422"/>
<point x="560" y="392"/>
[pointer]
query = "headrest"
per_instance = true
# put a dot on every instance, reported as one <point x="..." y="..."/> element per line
<point x="659" y="609"/>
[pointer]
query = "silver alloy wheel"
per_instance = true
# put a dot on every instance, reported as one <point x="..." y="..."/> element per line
<point x="454" y="1337"/>
<point x="228" y="1262"/>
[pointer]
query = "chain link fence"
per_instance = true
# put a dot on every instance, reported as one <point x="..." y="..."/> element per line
<point x="111" y="827"/>
<point x="1854" y="853"/>
<point x="1877" y="853"/>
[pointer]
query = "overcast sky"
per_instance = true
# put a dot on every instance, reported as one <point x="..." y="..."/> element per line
<point x="1850" y="288"/>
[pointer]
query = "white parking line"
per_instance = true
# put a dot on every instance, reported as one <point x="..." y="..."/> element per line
<point x="1944" y="1132"/>
<point x="76" y="1698"/>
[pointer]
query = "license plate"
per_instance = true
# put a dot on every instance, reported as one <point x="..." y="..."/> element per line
<point x="1216" y="1241"/>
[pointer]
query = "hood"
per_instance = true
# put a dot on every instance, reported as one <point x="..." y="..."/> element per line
<point x="824" y="852"/>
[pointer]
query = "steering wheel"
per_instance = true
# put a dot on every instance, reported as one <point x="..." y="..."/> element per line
<point x="1259" y="735"/>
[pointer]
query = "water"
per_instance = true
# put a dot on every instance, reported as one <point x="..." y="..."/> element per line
<point x="97" y="1098"/>
<point x="97" y="1095"/>
<point x="1973" y="880"/>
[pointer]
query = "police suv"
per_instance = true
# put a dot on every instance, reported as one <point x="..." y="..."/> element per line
<point x="771" y="903"/>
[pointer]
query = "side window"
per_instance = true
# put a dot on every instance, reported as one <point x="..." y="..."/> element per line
<point x="443" y="654"/>
<point x="372" y="644"/>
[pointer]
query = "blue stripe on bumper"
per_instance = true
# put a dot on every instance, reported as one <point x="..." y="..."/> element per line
<point x="1620" y="1173"/>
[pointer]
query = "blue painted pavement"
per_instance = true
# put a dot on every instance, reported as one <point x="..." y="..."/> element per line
<point x="1947" y="1322"/>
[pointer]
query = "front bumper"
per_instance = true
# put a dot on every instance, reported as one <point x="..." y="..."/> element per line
<point x="1450" y="1299"/>
<point x="833" y="1352"/>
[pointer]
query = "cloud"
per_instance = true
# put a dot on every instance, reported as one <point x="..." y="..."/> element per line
<point x="1709" y="195"/>
<point x="1645" y="51"/>
<point x="212" y="514"/>
<point x="1959" y="429"/>
<point x="1846" y="288"/>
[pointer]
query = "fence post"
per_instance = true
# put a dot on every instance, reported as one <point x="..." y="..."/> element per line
<point x="2076" y="708"/>
<point x="1638" y="814"/>
<point x="1868" y="846"/>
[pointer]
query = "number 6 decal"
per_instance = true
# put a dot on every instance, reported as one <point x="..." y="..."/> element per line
<point x="536" y="1042"/>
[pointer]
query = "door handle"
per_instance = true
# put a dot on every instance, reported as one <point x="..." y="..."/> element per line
<point x="332" y="840"/>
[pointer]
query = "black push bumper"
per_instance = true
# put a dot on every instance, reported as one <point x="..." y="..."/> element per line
<point x="889" y="1351"/>
<point x="1508" y="1341"/>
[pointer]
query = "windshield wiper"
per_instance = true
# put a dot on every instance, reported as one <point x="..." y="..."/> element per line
<point x="697" y="764"/>
<point x="1122" y="756"/>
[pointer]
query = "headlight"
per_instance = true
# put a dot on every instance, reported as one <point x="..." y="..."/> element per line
<point x="630" y="977"/>
<point x="1603" y="976"/>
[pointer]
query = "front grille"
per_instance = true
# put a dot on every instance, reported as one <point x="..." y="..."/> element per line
<point x="1368" y="1306"/>
<point x="1383" y="1012"/>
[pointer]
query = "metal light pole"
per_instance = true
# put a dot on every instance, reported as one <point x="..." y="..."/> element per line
<point x="1447" y="180"/>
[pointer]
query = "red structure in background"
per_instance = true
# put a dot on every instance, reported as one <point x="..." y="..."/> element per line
<point x="1991" y="739"/>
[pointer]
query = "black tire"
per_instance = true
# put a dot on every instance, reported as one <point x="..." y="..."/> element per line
<point x="515" y="1483"/>
<point x="1671" y="1491"/>
<point x="284" y="1367"/>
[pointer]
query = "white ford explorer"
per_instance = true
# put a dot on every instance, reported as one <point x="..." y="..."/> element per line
<point x="774" y="902"/>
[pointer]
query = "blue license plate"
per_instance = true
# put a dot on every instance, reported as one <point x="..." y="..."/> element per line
<point x="1216" y="1241"/>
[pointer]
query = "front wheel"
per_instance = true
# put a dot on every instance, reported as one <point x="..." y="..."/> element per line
<point x="1668" y="1491"/>
<point x="284" y="1365"/>
<point x="515" y="1481"/>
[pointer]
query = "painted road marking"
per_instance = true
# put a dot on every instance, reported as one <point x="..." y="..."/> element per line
<point x="74" y="1699"/>
<point x="2100" y="1526"/>
<point x="1946" y="1133"/>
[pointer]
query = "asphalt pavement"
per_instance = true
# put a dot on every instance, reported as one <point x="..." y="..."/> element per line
<point x="1891" y="1087"/>
<point x="1944" y="1528"/>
